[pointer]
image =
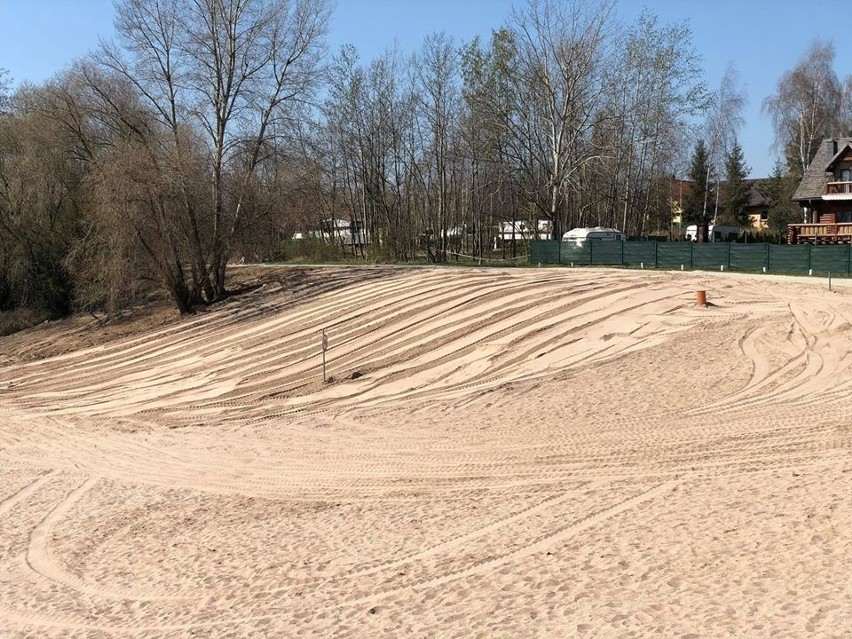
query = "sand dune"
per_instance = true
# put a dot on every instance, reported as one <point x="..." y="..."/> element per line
<point x="542" y="452"/>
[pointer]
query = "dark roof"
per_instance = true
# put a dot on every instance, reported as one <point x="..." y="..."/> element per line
<point x="756" y="192"/>
<point x="843" y="145"/>
<point x="812" y="186"/>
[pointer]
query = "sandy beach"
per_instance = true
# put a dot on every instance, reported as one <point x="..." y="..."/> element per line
<point x="499" y="453"/>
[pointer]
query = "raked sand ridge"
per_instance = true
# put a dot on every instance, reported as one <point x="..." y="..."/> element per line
<point x="501" y="453"/>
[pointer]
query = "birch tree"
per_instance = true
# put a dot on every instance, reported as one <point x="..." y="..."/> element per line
<point x="724" y="120"/>
<point x="656" y="87"/>
<point x="560" y="53"/>
<point x="806" y="106"/>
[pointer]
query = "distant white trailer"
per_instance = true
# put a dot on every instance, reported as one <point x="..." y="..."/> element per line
<point x="518" y="231"/>
<point x="715" y="233"/>
<point x="347" y="232"/>
<point x="524" y="230"/>
<point x="579" y="236"/>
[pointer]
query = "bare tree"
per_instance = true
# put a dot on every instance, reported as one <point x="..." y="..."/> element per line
<point x="5" y="89"/>
<point x="655" y="86"/>
<point x="806" y="106"/>
<point x="723" y="122"/>
<point x="225" y="74"/>
<point x="367" y="114"/>
<point x="560" y="53"/>
<point x="439" y="99"/>
<point x="40" y="201"/>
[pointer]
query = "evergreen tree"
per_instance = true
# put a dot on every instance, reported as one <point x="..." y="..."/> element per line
<point x="699" y="200"/>
<point x="779" y="191"/>
<point x="736" y="192"/>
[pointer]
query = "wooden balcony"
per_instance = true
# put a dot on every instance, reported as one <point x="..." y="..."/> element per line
<point x="819" y="233"/>
<point x="838" y="188"/>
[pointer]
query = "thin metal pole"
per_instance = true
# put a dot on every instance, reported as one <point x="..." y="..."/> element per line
<point x="324" y="347"/>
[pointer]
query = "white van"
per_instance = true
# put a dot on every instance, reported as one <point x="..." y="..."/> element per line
<point x="715" y="233"/>
<point x="577" y="237"/>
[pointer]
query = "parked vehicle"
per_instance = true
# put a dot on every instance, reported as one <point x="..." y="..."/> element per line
<point x="715" y="233"/>
<point x="579" y="236"/>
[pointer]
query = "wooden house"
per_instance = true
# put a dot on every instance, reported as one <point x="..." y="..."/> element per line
<point x="825" y="195"/>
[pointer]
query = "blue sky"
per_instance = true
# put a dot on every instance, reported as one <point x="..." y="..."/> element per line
<point x="761" y="38"/>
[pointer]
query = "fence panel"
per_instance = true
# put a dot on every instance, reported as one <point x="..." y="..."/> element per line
<point x="544" y="252"/>
<point x="748" y="257"/>
<point x="710" y="256"/>
<point x="787" y="258"/>
<point x="636" y="253"/>
<point x="830" y="259"/>
<point x="571" y="253"/>
<point x="605" y="253"/>
<point x="674" y="254"/>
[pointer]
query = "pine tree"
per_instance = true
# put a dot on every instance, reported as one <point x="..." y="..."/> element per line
<point x="736" y="192"/>
<point x="779" y="191"/>
<point x="699" y="200"/>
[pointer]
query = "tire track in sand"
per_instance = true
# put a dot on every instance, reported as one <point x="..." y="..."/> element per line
<point x="8" y="503"/>
<point x="42" y="561"/>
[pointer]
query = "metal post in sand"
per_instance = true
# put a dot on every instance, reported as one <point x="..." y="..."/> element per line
<point x="324" y="349"/>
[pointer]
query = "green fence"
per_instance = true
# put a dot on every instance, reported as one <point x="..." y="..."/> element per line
<point x="544" y="252"/>
<point x="771" y="258"/>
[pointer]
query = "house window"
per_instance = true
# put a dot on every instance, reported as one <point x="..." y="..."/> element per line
<point x="844" y="218"/>
<point x="764" y="215"/>
<point x="846" y="175"/>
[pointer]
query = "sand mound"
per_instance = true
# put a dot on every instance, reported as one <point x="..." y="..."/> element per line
<point x="512" y="453"/>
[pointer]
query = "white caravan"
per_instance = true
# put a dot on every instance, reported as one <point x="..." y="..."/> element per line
<point x="578" y="237"/>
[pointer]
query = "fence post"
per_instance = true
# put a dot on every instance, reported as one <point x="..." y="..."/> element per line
<point x="622" y="253"/>
<point x="690" y="255"/>
<point x="848" y="259"/>
<point x="591" y="250"/>
<point x="656" y="260"/>
<point x="767" y="257"/>
<point x="809" y="258"/>
<point x="729" y="256"/>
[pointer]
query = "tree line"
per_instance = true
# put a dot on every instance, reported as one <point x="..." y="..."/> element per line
<point x="210" y="129"/>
